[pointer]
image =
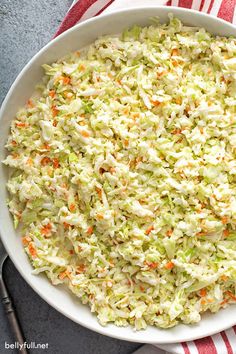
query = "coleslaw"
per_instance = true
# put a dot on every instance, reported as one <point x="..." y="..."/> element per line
<point x="123" y="176"/>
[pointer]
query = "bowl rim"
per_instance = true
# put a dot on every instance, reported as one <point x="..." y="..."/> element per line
<point x="99" y="329"/>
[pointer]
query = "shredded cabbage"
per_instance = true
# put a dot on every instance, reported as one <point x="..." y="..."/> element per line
<point x="124" y="175"/>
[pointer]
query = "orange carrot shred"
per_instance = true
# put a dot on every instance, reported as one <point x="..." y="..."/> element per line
<point x="32" y="250"/>
<point x="85" y="134"/>
<point x="231" y="295"/>
<point x="226" y="233"/>
<point x="152" y="265"/>
<point x="46" y="146"/>
<point x="26" y="240"/>
<point x="72" y="207"/>
<point x="169" y="265"/>
<point x="224" y="220"/>
<point x="45" y="161"/>
<point x="45" y="230"/>
<point x="169" y="232"/>
<point x="100" y="216"/>
<point x="54" y="111"/>
<point x="99" y="192"/>
<point x="66" y="80"/>
<point x="156" y="103"/>
<point x="80" y="268"/>
<point x="52" y="93"/>
<point x="90" y="230"/>
<point x="149" y="229"/>
<point x="56" y="163"/>
<point x="174" y="52"/>
<point x="21" y="124"/>
<point x="202" y="292"/>
<point x="225" y="301"/>
<point x="30" y="103"/>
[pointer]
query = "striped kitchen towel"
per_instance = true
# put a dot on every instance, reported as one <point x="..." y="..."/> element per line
<point x="224" y="342"/>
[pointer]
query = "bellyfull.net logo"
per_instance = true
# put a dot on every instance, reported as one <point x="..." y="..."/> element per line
<point x="26" y="345"/>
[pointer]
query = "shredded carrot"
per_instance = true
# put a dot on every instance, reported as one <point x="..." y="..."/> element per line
<point x="135" y="115"/>
<point x="26" y="240"/>
<point x="65" y="274"/>
<point x="99" y="192"/>
<point x="224" y="220"/>
<point x="80" y="268"/>
<point x="54" y="123"/>
<point x="176" y="131"/>
<point x="112" y="170"/>
<point x="169" y="265"/>
<point x="46" y="146"/>
<point x="203" y="302"/>
<point x="82" y="67"/>
<point x="32" y="250"/>
<point x="14" y="143"/>
<point x="149" y="229"/>
<point x="225" y="301"/>
<point x="175" y="62"/>
<point x="100" y="216"/>
<point x="21" y="124"/>
<point x="45" y="161"/>
<point x="54" y="111"/>
<point x="85" y="134"/>
<point x="45" y="230"/>
<point x="66" y="225"/>
<point x="126" y="111"/>
<point x="152" y="265"/>
<point x="224" y="277"/>
<point x="30" y="161"/>
<point x="174" y="52"/>
<point x="72" y="207"/>
<point x="66" y="80"/>
<point x="72" y="252"/>
<point x="202" y="292"/>
<point x="30" y="103"/>
<point x="90" y="230"/>
<point x="169" y="232"/>
<point x="156" y="103"/>
<point x="201" y="234"/>
<point x="231" y="295"/>
<point x="141" y="288"/>
<point x="226" y="233"/>
<point x="52" y="93"/>
<point x="178" y="100"/>
<point x="161" y="73"/>
<point x="126" y="142"/>
<point x="56" y="163"/>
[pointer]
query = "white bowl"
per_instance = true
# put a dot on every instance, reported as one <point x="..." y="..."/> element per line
<point x="75" y="38"/>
